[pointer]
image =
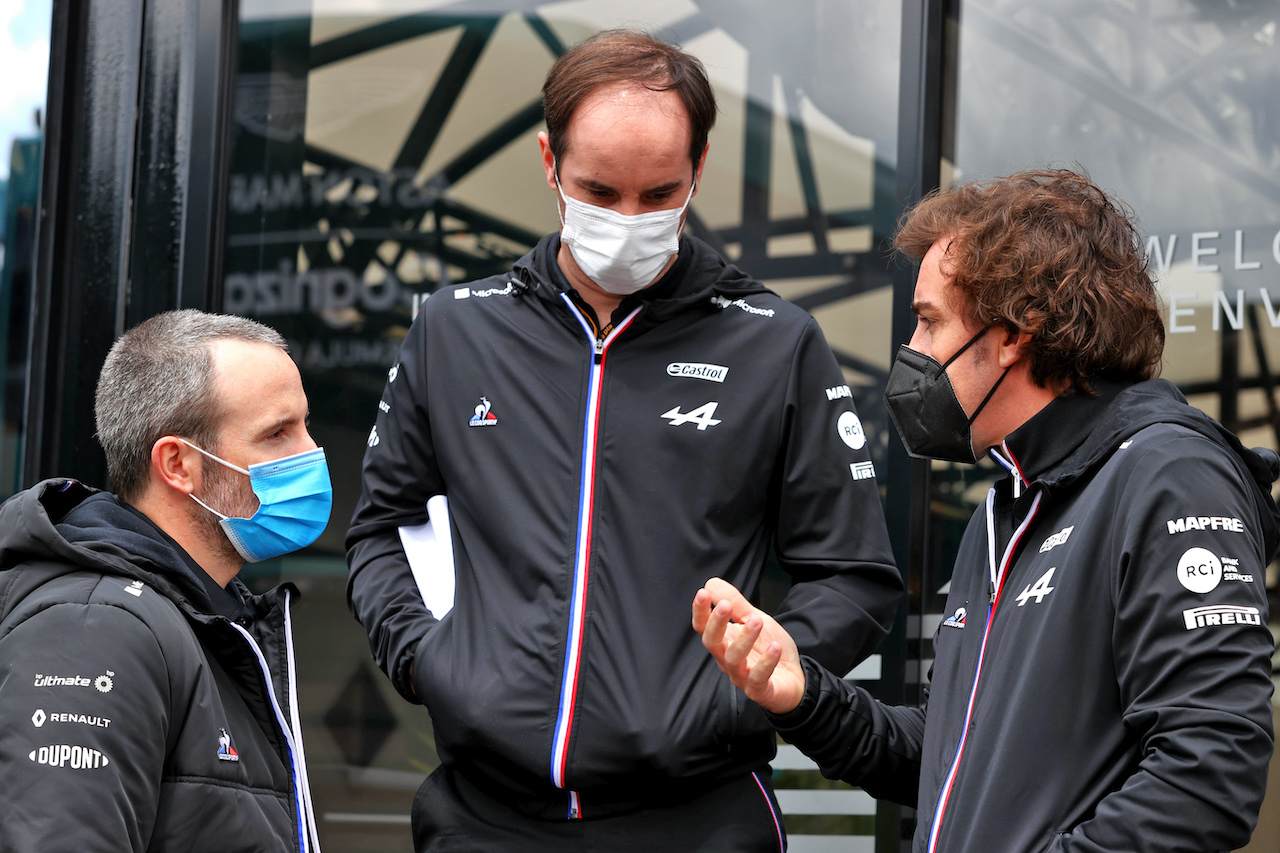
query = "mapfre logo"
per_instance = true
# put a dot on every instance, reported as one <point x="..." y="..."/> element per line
<point x="1205" y="522"/>
<point x="694" y="370"/>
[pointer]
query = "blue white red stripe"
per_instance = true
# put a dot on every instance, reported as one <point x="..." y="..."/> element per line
<point x="304" y="812"/>
<point x="582" y="553"/>
<point x="997" y="580"/>
<point x="1009" y="462"/>
<point x="773" y="813"/>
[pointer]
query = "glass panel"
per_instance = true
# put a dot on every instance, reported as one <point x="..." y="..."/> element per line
<point x="24" y="64"/>
<point x="1170" y="105"/>
<point x="385" y="148"/>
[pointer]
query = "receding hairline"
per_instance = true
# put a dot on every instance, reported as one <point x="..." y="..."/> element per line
<point x="650" y="98"/>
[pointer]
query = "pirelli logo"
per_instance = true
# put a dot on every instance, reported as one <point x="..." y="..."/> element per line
<point x="1221" y="614"/>
<point x="862" y="470"/>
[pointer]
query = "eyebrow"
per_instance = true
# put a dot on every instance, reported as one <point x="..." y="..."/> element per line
<point x="277" y="425"/>
<point x="587" y="183"/>
<point x="917" y="307"/>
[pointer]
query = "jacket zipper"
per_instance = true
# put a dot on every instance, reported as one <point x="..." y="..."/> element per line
<point x="995" y="587"/>
<point x="582" y="553"/>
<point x="308" y="839"/>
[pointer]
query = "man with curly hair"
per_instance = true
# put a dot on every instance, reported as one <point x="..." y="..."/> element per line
<point x="1102" y="675"/>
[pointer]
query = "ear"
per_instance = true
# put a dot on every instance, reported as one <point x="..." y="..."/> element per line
<point x="548" y="158"/>
<point x="697" y="172"/>
<point x="176" y="465"/>
<point x="1012" y="347"/>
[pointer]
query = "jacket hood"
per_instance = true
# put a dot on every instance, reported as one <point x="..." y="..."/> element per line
<point x="1074" y="435"/>
<point x="699" y="276"/>
<point x="66" y="526"/>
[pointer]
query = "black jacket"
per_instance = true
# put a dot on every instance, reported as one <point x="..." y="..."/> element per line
<point x="1116" y="695"/>
<point x="592" y="487"/>
<point x="134" y="718"/>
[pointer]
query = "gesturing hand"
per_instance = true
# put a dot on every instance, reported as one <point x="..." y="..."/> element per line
<point x="756" y="653"/>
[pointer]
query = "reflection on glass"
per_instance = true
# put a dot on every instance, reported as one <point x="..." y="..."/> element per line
<point x="24" y="62"/>
<point x="1171" y="106"/>
<point x="385" y="148"/>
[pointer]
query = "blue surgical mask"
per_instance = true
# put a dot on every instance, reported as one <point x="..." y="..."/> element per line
<point x="294" y="500"/>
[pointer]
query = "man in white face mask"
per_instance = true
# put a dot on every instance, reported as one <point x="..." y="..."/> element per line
<point x="651" y="415"/>
<point x="625" y="167"/>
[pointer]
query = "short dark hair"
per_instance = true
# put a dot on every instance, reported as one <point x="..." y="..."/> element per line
<point x="157" y="380"/>
<point x="1048" y="252"/>
<point x="627" y="56"/>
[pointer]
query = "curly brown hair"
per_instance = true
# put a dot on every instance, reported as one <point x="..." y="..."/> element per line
<point x="1048" y="252"/>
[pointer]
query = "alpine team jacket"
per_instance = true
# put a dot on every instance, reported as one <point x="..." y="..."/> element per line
<point x="1102" y="676"/>
<point x="593" y="483"/>
<point x="131" y="718"/>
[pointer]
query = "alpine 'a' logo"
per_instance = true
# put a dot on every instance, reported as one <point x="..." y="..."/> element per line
<point x="703" y="416"/>
<point x="1038" y="590"/>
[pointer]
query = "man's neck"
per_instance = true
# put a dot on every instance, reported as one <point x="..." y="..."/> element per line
<point x="177" y="523"/>
<point x="602" y="302"/>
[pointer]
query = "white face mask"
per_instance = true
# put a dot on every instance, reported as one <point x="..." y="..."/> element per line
<point x="620" y="253"/>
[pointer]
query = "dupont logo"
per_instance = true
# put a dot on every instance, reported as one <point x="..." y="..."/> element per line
<point x="694" y="370"/>
<point x="69" y="755"/>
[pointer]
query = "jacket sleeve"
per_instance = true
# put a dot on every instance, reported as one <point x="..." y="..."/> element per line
<point x="1192" y="656"/>
<point x="855" y="737"/>
<point x="85" y="699"/>
<point x="830" y="530"/>
<point x="399" y="476"/>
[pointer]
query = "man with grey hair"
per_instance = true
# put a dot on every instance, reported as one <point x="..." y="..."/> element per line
<point x="146" y="696"/>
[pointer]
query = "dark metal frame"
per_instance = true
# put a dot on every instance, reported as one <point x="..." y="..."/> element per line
<point x="133" y="179"/>
<point x="920" y="149"/>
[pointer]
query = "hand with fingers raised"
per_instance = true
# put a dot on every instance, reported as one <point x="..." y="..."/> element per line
<point x="756" y="652"/>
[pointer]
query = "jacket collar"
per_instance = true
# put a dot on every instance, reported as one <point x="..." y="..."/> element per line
<point x="1055" y="434"/>
<point x="698" y="275"/>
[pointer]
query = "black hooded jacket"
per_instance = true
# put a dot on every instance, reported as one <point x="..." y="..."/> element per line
<point x="136" y="715"/>
<point x="1110" y="690"/>
<point x="593" y="483"/>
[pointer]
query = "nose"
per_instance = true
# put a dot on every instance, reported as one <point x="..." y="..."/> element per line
<point x="919" y="340"/>
<point x="629" y="206"/>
